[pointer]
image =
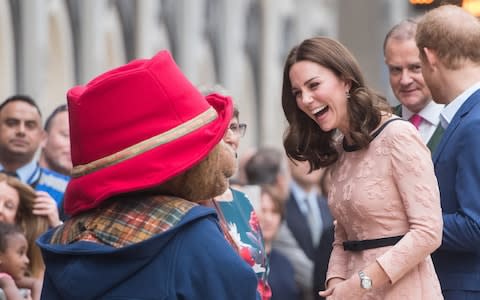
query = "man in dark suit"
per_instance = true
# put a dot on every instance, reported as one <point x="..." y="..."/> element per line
<point x="449" y="41"/>
<point x="408" y="85"/>
<point x="306" y="236"/>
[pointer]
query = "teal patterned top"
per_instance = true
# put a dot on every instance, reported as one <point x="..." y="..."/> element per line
<point x="245" y="232"/>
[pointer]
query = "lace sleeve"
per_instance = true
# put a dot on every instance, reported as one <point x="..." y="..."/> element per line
<point x="413" y="174"/>
<point x="338" y="264"/>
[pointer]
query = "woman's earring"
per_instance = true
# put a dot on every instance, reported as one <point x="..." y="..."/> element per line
<point x="347" y="93"/>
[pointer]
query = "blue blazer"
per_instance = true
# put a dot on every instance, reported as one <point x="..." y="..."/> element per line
<point x="457" y="167"/>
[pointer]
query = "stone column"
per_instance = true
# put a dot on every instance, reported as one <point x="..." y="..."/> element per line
<point x="271" y="120"/>
<point x="7" y="53"/>
<point x="33" y="46"/>
<point x="91" y="52"/>
<point x="151" y="35"/>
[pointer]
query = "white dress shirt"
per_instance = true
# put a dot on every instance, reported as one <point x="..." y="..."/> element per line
<point x="29" y="173"/>
<point x="430" y="118"/>
<point x="451" y="109"/>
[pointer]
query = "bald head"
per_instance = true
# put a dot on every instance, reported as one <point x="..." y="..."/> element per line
<point x="452" y="33"/>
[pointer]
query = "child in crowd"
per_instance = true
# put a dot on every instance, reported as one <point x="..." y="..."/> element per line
<point x="18" y="206"/>
<point x="14" y="265"/>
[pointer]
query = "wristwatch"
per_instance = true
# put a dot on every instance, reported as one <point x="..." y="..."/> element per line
<point x="365" y="281"/>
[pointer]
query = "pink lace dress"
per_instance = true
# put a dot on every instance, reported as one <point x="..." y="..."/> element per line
<point x="389" y="189"/>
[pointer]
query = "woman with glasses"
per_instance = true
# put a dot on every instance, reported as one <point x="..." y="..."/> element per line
<point x="236" y="216"/>
<point x="235" y="131"/>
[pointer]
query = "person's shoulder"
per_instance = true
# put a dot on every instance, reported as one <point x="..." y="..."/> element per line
<point x="397" y="131"/>
<point x="52" y="182"/>
<point x="397" y="110"/>
<point x="238" y="193"/>
<point x="243" y="198"/>
<point x="204" y="237"/>
<point x="47" y="173"/>
<point x="280" y="259"/>
<point x="394" y="125"/>
<point x="470" y="126"/>
<point x="476" y="109"/>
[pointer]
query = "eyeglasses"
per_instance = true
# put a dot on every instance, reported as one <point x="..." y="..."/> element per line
<point x="238" y="128"/>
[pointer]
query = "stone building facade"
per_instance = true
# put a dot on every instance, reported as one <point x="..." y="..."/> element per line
<point x="47" y="46"/>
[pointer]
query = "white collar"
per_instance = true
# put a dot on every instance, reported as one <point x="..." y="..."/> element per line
<point x="430" y="113"/>
<point x="451" y="109"/>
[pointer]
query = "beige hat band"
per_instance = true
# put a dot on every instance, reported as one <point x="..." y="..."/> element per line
<point x="175" y="133"/>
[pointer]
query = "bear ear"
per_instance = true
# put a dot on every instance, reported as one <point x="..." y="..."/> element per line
<point x="207" y="179"/>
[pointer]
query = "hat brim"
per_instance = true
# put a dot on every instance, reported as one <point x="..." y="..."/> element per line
<point x="151" y="168"/>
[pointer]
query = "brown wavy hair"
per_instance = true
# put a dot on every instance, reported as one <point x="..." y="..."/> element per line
<point x="33" y="226"/>
<point x="304" y="140"/>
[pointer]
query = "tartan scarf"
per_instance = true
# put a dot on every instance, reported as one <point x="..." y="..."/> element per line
<point x="124" y="221"/>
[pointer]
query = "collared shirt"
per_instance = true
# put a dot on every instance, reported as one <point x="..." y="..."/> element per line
<point x="308" y="204"/>
<point x="29" y="173"/>
<point x="451" y="109"/>
<point x="300" y="195"/>
<point x="42" y="179"/>
<point x="430" y="118"/>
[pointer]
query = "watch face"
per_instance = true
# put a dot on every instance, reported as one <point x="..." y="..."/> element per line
<point x="366" y="283"/>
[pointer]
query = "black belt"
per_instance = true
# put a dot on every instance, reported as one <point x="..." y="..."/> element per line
<point x="370" y="244"/>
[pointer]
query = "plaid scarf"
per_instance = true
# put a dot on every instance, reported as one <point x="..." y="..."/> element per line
<point x="123" y="222"/>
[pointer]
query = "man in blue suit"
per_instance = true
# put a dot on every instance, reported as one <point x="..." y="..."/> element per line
<point x="449" y="41"/>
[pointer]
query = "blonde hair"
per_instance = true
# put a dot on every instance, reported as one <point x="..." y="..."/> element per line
<point x="32" y="225"/>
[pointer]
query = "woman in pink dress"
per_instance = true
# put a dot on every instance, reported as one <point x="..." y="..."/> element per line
<point x="383" y="194"/>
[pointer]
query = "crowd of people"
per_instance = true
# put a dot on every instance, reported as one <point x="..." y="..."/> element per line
<point x="31" y="192"/>
<point x="134" y="189"/>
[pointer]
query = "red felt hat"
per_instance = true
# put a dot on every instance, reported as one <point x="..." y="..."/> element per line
<point x="136" y="126"/>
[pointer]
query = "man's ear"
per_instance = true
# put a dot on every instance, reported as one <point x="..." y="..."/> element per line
<point x="43" y="143"/>
<point x="431" y="57"/>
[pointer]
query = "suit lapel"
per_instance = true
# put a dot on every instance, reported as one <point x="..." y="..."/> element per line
<point x="462" y="112"/>
<point x="325" y="212"/>
<point x="298" y="225"/>
<point x="435" y="139"/>
<point x="398" y="110"/>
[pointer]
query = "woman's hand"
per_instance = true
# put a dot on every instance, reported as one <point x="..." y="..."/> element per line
<point x="331" y="283"/>
<point x="44" y="205"/>
<point x="344" y="289"/>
